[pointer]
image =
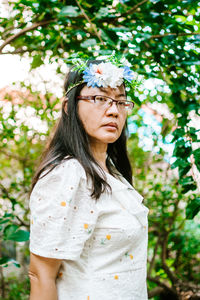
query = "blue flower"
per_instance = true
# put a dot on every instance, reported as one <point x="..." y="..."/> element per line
<point x="128" y="74"/>
<point x="90" y="77"/>
<point x="106" y="74"/>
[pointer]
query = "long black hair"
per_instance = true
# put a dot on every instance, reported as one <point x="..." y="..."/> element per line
<point x="71" y="140"/>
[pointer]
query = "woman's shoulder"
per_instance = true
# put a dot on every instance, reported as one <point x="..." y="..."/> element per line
<point x="73" y="165"/>
<point x="69" y="169"/>
<point x="68" y="175"/>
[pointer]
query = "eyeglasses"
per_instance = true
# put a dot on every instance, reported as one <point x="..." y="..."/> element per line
<point x="105" y="102"/>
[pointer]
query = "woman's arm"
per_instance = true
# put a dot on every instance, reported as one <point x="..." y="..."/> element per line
<point x="43" y="272"/>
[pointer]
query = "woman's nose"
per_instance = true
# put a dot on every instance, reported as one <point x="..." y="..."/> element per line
<point x="112" y="109"/>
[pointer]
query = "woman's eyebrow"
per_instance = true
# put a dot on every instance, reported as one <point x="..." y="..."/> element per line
<point x="105" y="91"/>
<point x="102" y="89"/>
<point x="124" y="95"/>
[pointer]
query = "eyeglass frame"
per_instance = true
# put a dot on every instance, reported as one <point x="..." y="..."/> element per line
<point x="112" y="100"/>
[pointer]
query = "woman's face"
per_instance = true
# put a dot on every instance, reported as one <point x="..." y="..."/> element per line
<point x="103" y="125"/>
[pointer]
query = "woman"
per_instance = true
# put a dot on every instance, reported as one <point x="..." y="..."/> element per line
<point x="88" y="226"/>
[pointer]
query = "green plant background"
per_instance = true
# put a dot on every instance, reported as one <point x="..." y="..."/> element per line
<point x="161" y="40"/>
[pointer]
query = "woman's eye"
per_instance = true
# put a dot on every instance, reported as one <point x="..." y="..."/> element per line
<point x="122" y="103"/>
<point x="101" y="99"/>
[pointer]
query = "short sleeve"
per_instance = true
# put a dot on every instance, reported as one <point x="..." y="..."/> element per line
<point x="63" y="214"/>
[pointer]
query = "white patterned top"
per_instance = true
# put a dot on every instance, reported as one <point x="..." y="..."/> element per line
<point x="102" y="244"/>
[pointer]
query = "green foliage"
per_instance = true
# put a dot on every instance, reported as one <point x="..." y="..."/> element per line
<point x="4" y="261"/>
<point x="21" y="145"/>
<point x="161" y="40"/>
<point x="68" y="11"/>
<point x="164" y="196"/>
<point x="37" y="61"/>
<point x="11" y="232"/>
<point x="193" y="208"/>
<point x="16" y="289"/>
<point x="88" y="43"/>
<point x="196" y="154"/>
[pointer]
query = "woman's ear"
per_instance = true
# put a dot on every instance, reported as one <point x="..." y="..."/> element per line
<point x="65" y="105"/>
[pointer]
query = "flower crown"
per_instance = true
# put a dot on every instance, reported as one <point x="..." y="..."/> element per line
<point x="111" y="73"/>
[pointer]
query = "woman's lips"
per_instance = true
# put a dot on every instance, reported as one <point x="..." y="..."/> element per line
<point x="111" y="126"/>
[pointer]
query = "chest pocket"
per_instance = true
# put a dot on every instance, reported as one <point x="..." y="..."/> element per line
<point x="122" y="216"/>
<point x="129" y="199"/>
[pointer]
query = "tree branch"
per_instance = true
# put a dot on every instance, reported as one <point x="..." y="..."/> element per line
<point x="154" y="256"/>
<point x="160" y="283"/>
<point x="163" y="75"/>
<point x="185" y="14"/>
<point x="12" y="155"/>
<point x="157" y="36"/>
<point x="22" y="223"/>
<point x="27" y="29"/>
<point x="171" y="34"/>
<point x="155" y="292"/>
<point x="4" y="190"/>
<point x="21" y="51"/>
<point x="18" y="51"/>
<point x="194" y="170"/>
<point x="172" y="277"/>
<point x="130" y="11"/>
<point x="91" y="24"/>
<point x="2" y="282"/>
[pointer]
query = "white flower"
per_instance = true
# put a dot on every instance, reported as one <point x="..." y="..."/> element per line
<point x="103" y="75"/>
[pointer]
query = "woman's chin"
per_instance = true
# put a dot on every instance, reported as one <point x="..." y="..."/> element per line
<point x="110" y="139"/>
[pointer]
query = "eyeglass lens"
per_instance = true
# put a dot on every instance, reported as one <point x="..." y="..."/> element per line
<point x="107" y="101"/>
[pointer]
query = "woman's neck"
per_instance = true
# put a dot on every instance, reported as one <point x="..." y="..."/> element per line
<point x="99" y="152"/>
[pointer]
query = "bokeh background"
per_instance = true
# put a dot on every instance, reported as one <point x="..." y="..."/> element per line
<point x="161" y="40"/>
